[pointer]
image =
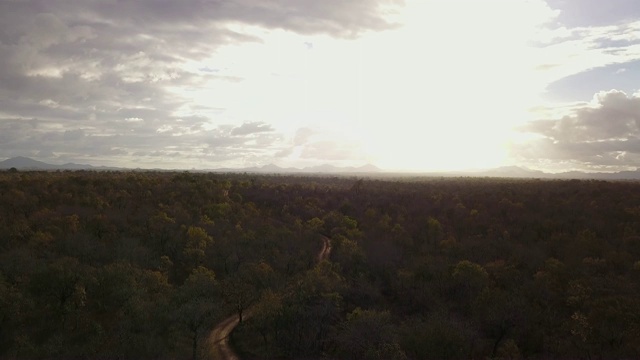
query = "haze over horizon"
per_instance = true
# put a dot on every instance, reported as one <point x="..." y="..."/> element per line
<point x="428" y="85"/>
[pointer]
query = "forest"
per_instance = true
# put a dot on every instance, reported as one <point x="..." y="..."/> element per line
<point x="142" y="265"/>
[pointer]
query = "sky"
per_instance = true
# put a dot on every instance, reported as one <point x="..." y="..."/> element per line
<point x="414" y="85"/>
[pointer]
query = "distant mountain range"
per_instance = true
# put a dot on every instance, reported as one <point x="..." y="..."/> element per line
<point x="522" y="172"/>
<point x="25" y="163"/>
<point x="326" y="168"/>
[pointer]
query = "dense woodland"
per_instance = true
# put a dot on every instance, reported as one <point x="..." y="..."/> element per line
<point x="142" y="265"/>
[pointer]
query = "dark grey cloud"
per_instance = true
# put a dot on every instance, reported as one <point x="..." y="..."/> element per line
<point x="81" y="79"/>
<point x="36" y="138"/>
<point x="336" y="17"/>
<point x="601" y="134"/>
<point x="109" y="33"/>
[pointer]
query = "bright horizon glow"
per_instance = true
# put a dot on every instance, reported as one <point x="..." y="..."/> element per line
<point x="413" y="78"/>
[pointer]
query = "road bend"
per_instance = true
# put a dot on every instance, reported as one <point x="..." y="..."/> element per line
<point x="217" y="343"/>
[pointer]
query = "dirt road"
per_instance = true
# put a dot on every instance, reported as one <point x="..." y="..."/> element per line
<point x="326" y="249"/>
<point x="218" y="341"/>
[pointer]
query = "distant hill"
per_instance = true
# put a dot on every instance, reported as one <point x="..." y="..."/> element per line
<point x="25" y="163"/>
<point x="325" y="168"/>
<point x="522" y="172"/>
<point x="515" y="171"/>
<point x="369" y="168"/>
<point x="525" y="173"/>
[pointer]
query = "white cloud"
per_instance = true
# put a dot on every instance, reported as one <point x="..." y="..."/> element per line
<point x="251" y="128"/>
<point x="603" y="134"/>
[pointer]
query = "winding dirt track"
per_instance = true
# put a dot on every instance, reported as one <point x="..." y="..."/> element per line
<point x="326" y="249"/>
<point x="217" y="343"/>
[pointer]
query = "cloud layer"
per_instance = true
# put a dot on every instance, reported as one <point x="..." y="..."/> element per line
<point x="420" y="85"/>
<point x="97" y="79"/>
<point x="601" y="135"/>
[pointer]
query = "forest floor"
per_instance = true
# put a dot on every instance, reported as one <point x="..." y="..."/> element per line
<point x="218" y="346"/>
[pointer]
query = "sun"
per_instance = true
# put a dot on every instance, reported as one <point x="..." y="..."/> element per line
<point x="444" y="91"/>
<point x="439" y="92"/>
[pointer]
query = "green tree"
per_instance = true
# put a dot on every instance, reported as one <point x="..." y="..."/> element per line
<point x="469" y="279"/>
<point x="368" y="334"/>
<point x="198" y="305"/>
<point x="197" y="241"/>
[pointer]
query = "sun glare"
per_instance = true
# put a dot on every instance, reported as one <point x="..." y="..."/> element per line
<point x="437" y="93"/>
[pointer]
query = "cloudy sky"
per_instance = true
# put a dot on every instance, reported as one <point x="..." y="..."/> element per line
<point x="418" y="85"/>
